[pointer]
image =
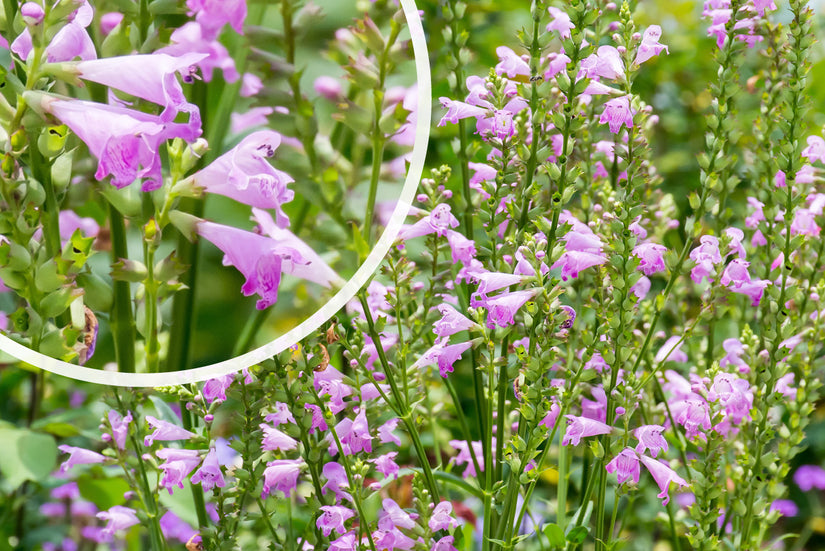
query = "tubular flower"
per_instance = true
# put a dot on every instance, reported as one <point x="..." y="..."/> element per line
<point x="579" y="427"/>
<point x="663" y="475"/>
<point x="627" y="465"/>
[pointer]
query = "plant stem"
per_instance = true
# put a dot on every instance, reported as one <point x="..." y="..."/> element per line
<point x="122" y="321"/>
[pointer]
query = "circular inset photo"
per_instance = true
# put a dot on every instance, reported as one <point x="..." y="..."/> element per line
<point x="189" y="187"/>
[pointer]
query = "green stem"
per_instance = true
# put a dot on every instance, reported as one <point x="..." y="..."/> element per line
<point x="122" y="320"/>
<point x="250" y="331"/>
<point x="152" y="347"/>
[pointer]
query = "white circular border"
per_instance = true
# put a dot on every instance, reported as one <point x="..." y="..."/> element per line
<point x="341" y="298"/>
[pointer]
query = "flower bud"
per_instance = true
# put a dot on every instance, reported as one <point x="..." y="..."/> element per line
<point x="32" y="13"/>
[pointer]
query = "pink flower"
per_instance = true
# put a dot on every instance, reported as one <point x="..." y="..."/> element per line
<point x="706" y="255"/>
<point x="393" y="516"/>
<point x="120" y="427"/>
<point x="336" y="477"/>
<point x="651" y="257"/>
<point x="174" y="528"/>
<point x="616" y="113"/>
<point x="650" y="45"/>
<point x="605" y="63"/>
<point x="804" y="223"/>
<point x="443" y="354"/>
<point x="214" y="390"/>
<point x="194" y="38"/>
<point x="579" y="427"/>
<point x="245" y="175"/>
<point x="347" y="542"/>
<point x="572" y="262"/>
<point x="118" y="518"/>
<point x="79" y="456"/>
<point x="281" y="475"/>
<point x="439" y="221"/>
<point x="444" y="544"/>
<point x="815" y="150"/>
<point x="502" y="308"/>
<point x="71" y="41"/>
<point x="511" y="64"/>
<point x="276" y="440"/>
<point x="650" y="438"/>
<point x="333" y="519"/>
<point x="386" y="465"/>
<point x="328" y="87"/>
<point x="627" y="465"/>
<point x="125" y="142"/>
<point x="464" y="456"/>
<point x="385" y="432"/>
<point x="783" y="386"/>
<point x="663" y="475"/>
<point x="441" y="518"/>
<point x="281" y="415"/>
<point x="451" y="321"/>
<point x="108" y="22"/>
<point x="165" y="431"/>
<point x="561" y="22"/>
<point x="692" y="414"/>
<point x="152" y="77"/>
<point x="461" y="248"/>
<point x="214" y="14"/>
<point x="176" y="466"/>
<point x="808" y="477"/>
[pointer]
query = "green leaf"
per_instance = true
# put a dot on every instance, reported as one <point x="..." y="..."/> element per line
<point x="27" y="455"/>
<point x="105" y="493"/>
<point x="555" y="534"/>
<point x="577" y="535"/>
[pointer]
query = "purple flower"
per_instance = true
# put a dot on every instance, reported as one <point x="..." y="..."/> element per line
<point x="804" y="223"/>
<point x="176" y="466"/>
<point x="511" y="64"/>
<point x="152" y="77"/>
<point x="347" y="542"/>
<point x="595" y="409"/>
<point x="671" y="351"/>
<point x="358" y="437"/>
<point x="328" y="87"/>
<point x="650" y="438"/>
<point x="32" y="13"/>
<point x="209" y="474"/>
<point x="333" y="519"/>
<point x="650" y="45"/>
<point x="461" y="248"/>
<point x="441" y="518"/>
<point x="392" y="516"/>
<point x="212" y="15"/>
<point x="108" y="22"/>
<point x="439" y="221"/>
<point x="120" y="427"/>
<point x="318" y="422"/>
<point x="117" y="518"/>
<point x="502" y="308"/>
<point x="552" y="416"/>
<point x="605" y="63"/>
<point x="808" y="477"/>
<point x="214" y="390"/>
<point x="578" y="427"/>
<point x="71" y="40"/>
<point x="734" y="393"/>
<point x="444" y="544"/>
<point x="245" y="175"/>
<point x="125" y="142"/>
<point x="282" y="415"/>
<point x="194" y="38"/>
<point x="561" y="22"/>
<point x="783" y="386"/>
<point x="276" y="440"/>
<point x="174" y="528"/>
<point x="815" y="150"/>
<point x="451" y="321"/>
<point x="641" y="288"/>
<point x="282" y="475"/>
<point x="572" y="262"/>
<point x="651" y="256"/>
<point x="458" y="110"/>
<point x="691" y="414"/>
<point x="464" y="456"/>
<point x="706" y="255"/>
<point x="165" y="431"/>
<point x="616" y="113"/>
<point x="663" y="475"/>
<point x="627" y="465"/>
<point x="386" y="465"/>
<point x="337" y="479"/>
<point x="785" y="507"/>
<point x="385" y="432"/>
<point x="445" y="355"/>
<point x="79" y="456"/>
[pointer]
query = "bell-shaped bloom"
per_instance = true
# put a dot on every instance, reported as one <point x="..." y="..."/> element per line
<point x="333" y="518"/>
<point x="804" y="223"/>
<point x="176" y="466"/>
<point x="752" y="289"/>
<point x="442" y="517"/>
<point x="79" y="456"/>
<point x="561" y="22"/>
<point x="458" y="110"/>
<point x="439" y="222"/>
<point x="358" y="437"/>
<point x="650" y="45"/>
<point x="108" y="23"/>
<point x="445" y="544"/>
<point x="616" y="113"/>
<point x="465" y="457"/>
<point x="651" y="257"/>
<point x="275" y="440"/>
<point x="650" y="438"/>
<point x="260" y="259"/>
<point x="282" y="475"/>
<point x="175" y="528"/>
<point x="808" y="477"/>
<point x="347" y="542"/>
<point x="783" y="386"/>
<point x="734" y="393"/>
<point x="502" y="308"/>
<point x="443" y="354"/>
<point x="663" y="475"/>
<point x="70" y="42"/>
<point x="152" y="77"/>
<point x="336" y="476"/>
<point x="209" y="474"/>
<point x="385" y="432"/>
<point x="120" y="427"/>
<point x="815" y="150"/>
<point x="692" y="414"/>
<point x="626" y="463"/>
<point x="785" y="507"/>
<point x="573" y="262"/>
<point x="595" y="409"/>
<point x="281" y="415"/>
<point x="451" y="321"/>
<point x="126" y="142"/>
<point x="212" y="15"/>
<point x="641" y="288"/>
<point x="165" y="431"/>
<point x="245" y="175"/>
<point x="605" y="63"/>
<point x="552" y="416"/>
<point x="511" y="64"/>
<point x="579" y="427"/>
<point x="194" y="38"/>
<point x="461" y="248"/>
<point x="671" y="351"/>
<point x="118" y="518"/>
